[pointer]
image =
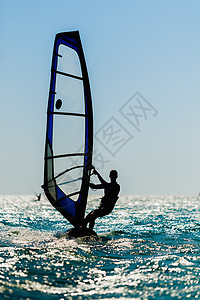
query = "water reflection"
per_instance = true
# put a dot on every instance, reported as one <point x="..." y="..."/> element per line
<point x="148" y="248"/>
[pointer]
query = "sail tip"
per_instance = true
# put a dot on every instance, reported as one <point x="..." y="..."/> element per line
<point x="68" y="33"/>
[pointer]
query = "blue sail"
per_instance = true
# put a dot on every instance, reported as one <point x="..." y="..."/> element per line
<point x="69" y="133"/>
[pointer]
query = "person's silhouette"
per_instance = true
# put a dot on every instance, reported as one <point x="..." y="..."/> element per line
<point x="38" y="197"/>
<point x="111" y="191"/>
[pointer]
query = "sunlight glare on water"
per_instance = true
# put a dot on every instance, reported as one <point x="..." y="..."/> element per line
<point x="148" y="248"/>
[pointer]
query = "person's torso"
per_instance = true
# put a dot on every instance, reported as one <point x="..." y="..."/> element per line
<point x="111" y="195"/>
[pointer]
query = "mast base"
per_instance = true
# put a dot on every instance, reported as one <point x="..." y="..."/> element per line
<point x="81" y="232"/>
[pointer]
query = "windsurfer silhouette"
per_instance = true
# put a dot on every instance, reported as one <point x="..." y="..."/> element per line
<point x="111" y="191"/>
<point x="38" y="197"/>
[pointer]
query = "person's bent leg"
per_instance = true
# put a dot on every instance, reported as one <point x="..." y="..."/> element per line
<point x="91" y="224"/>
<point x="91" y="217"/>
<point x="88" y="218"/>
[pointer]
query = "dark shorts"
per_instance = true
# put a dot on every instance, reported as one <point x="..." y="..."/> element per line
<point x="97" y="213"/>
<point x="100" y="212"/>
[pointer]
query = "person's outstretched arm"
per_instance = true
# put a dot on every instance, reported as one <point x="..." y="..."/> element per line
<point x="96" y="186"/>
<point x="100" y="178"/>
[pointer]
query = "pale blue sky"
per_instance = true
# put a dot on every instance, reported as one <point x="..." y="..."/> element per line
<point x="150" y="47"/>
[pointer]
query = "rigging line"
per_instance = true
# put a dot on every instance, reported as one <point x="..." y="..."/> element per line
<point x="69" y="181"/>
<point x="65" y="171"/>
<point x="66" y="74"/>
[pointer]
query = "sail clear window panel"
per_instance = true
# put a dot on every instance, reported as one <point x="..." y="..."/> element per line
<point x="69" y="62"/>
<point x="69" y="131"/>
<point x="68" y="174"/>
<point x="68" y="134"/>
<point x="70" y="91"/>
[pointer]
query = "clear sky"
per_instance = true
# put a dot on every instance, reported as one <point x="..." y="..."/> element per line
<point x="140" y="54"/>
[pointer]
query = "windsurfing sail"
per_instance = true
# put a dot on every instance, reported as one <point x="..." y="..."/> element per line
<point x="69" y="133"/>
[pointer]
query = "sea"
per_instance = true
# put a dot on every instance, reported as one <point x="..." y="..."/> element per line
<point x="147" y="248"/>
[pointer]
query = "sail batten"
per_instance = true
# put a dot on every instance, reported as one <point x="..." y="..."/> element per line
<point x="57" y="54"/>
<point x="65" y="155"/>
<point x="66" y="74"/>
<point x="67" y="114"/>
<point x="69" y="133"/>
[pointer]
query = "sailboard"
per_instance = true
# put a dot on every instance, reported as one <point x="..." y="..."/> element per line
<point x="69" y="131"/>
